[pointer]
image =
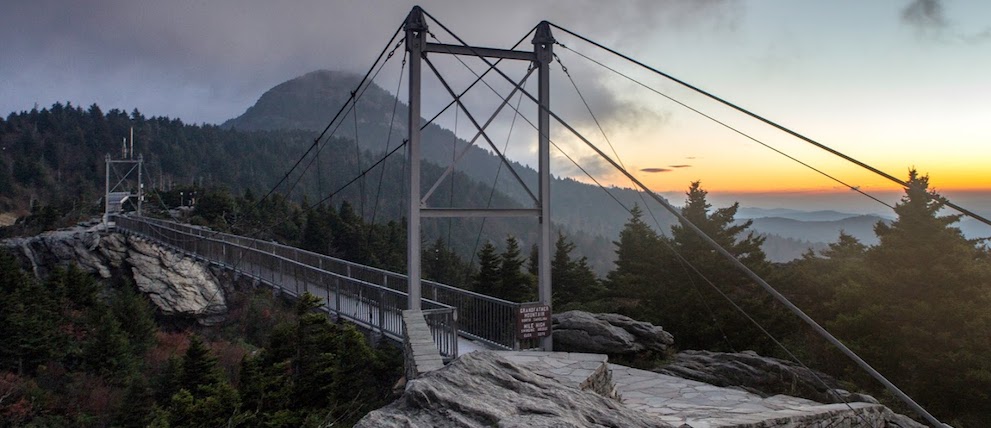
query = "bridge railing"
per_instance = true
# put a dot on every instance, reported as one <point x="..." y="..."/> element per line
<point x="371" y="306"/>
<point x="483" y="318"/>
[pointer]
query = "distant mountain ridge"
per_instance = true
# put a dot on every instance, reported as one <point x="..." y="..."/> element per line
<point x="309" y="102"/>
<point x="860" y="227"/>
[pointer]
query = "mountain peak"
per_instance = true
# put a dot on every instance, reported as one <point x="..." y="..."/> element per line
<point x="306" y="102"/>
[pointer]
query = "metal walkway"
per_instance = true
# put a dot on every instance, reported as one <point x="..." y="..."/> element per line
<point x="370" y="297"/>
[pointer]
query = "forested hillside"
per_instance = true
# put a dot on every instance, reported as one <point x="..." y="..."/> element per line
<point x="53" y="160"/>
<point x="308" y="102"/>
<point x="915" y="305"/>
<point x="78" y="353"/>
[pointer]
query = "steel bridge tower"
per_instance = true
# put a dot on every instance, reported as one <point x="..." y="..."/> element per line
<point x="418" y="47"/>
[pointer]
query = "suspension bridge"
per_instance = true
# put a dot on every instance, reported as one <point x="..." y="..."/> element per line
<point x="458" y="320"/>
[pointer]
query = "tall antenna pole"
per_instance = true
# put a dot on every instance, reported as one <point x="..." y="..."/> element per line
<point x="106" y="195"/>
<point x="543" y="45"/>
<point x="416" y="30"/>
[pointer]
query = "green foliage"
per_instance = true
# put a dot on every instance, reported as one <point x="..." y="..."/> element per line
<point x="573" y="280"/>
<point x="443" y="265"/>
<point x="635" y="268"/>
<point x="515" y="284"/>
<point x="488" y="279"/>
<point x="914" y="306"/>
<point x="29" y="321"/>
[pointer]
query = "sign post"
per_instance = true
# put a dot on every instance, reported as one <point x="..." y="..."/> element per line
<point x="533" y="321"/>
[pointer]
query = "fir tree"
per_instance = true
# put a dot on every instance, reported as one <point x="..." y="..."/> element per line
<point x="488" y="280"/>
<point x="514" y="284"/>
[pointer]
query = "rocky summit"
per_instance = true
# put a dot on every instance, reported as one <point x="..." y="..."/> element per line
<point x="176" y="284"/>
<point x="483" y="389"/>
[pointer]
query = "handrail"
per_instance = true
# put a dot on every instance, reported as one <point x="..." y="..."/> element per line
<point x="369" y="305"/>
<point x="485" y="318"/>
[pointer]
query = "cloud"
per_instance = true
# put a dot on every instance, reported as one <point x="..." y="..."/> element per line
<point x="680" y="166"/>
<point x="928" y="18"/>
<point x="655" y="170"/>
<point x="208" y="61"/>
<point x="592" y="165"/>
<point x="925" y="15"/>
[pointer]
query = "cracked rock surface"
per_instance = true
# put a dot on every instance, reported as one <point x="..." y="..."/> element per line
<point x="176" y="284"/>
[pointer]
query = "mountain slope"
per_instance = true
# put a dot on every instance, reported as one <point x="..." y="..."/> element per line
<point x="860" y="227"/>
<point x="309" y="102"/>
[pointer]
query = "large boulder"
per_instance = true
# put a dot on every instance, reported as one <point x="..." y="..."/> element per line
<point x="176" y="284"/>
<point x="483" y="389"/>
<point x="764" y="376"/>
<point x="613" y="334"/>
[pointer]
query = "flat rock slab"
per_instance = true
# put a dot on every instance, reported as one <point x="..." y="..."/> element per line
<point x="681" y="402"/>
<point x="589" y="372"/>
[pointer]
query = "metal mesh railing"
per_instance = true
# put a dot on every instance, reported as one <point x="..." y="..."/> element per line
<point x="365" y="295"/>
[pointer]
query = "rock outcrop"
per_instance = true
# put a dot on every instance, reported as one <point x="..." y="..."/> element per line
<point x="176" y="284"/>
<point x="764" y="376"/>
<point x="612" y="334"/>
<point x="482" y="389"/>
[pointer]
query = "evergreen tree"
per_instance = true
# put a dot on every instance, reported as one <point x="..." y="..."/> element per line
<point x="637" y="268"/>
<point x="514" y="284"/>
<point x="925" y="283"/>
<point x="136" y="317"/>
<point x="199" y="368"/>
<point x="29" y="323"/>
<point x="317" y="234"/>
<point x="107" y="351"/>
<point x="488" y="279"/>
<point x="573" y="280"/>
<point x="687" y="305"/>
<point x="442" y="265"/>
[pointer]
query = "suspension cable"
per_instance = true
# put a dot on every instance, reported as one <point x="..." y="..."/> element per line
<point x="350" y="107"/>
<point x="388" y="140"/>
<point x="773" y="124"/>
<point x="685" y="263"/>
<point x="691" y="279"/>
<point x="477" y="79"/>
<point x="722" y="251"/>
<point x="733" y="129"/>
<point x="316" y="141"/>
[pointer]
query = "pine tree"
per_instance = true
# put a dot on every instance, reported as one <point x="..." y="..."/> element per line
<point x="925" y="283"/>
<point x="637" y="251"/>
<point x="488" y="280"/>
<point x="514" y="284"/>
<point x="573" y="280"/>
<point x="687" y="305"/>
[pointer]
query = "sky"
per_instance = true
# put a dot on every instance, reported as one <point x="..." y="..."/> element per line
<point x="893" y="83"/>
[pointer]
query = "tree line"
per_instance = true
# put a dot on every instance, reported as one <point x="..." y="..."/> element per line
<point x="80" y="353"/>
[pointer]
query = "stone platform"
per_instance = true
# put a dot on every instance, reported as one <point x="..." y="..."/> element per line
<point x="686" y="403"/>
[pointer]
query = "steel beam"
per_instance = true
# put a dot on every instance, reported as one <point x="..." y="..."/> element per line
<point x="474" y="51"/>
<point x="478" y="212"/>
<point x="416" y="32"/>
<point x="543" y="49"/>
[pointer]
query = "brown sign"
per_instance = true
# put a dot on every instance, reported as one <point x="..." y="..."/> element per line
<point x="533" y="320"/>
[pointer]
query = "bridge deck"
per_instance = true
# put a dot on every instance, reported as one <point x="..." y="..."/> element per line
<point x="372" y="298"/>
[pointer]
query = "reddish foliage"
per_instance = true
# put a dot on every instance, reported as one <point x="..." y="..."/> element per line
<point x="89" y="394"/>
<point x="15" y="404"/>
<point x="167" y="344"/>
<point x="17" y="412"/>
<point x="229" y="356"/>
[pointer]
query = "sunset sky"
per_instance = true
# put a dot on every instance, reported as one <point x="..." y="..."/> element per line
<point x="895" y="83"/>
